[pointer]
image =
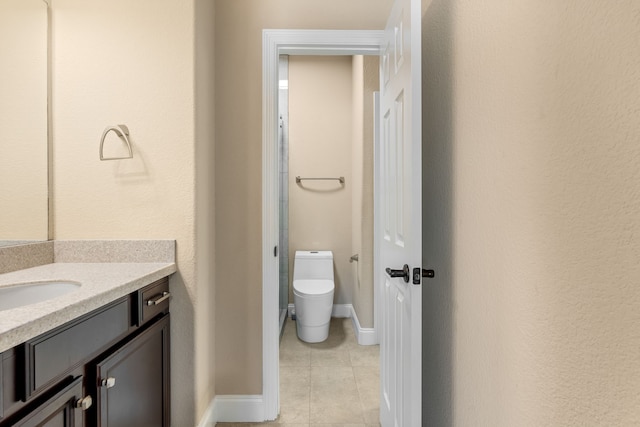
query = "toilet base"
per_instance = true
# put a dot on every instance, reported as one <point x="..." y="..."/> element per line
<point x="312" y="334"/>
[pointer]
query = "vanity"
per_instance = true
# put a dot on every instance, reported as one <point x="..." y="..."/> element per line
<point x="97" y="355"/>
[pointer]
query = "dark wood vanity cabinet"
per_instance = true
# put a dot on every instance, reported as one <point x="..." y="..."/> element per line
<point x="61" y="410"/>
<point x="109" y="367"/>
<point x="133" y="381"/>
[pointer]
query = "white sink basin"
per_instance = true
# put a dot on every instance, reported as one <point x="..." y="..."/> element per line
<point x="22" y="294"/>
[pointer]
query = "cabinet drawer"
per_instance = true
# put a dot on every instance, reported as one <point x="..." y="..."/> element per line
<point x="153" y="300"/>
<point x="58" y="410"/>
<point x="49" y="356"/>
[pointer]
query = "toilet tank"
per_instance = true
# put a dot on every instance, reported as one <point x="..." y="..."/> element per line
<point x="313" y="265"/>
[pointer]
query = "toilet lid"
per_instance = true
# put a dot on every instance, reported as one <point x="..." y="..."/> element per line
<point x="313" y="287"/>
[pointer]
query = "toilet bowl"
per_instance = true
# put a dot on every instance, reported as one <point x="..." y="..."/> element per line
<point x="313" y="289"/>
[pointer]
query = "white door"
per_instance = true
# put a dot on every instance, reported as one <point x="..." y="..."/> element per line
<point x="401" y="218"/>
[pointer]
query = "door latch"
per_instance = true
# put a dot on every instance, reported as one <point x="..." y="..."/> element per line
<point x="418" y="273"/>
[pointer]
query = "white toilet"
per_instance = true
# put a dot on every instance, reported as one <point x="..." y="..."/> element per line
<point x="313" y="294"/>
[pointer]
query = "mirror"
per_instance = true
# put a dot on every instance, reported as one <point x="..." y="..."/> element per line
<point x="23" y="121"/>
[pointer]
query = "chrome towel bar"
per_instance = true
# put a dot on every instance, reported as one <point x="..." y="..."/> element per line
<point x="341" y="179"/>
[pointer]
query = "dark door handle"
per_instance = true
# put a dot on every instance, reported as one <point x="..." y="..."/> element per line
<point x="404" y="273"/>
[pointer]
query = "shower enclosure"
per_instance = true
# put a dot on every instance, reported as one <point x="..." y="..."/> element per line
<point x="283" y="163"/>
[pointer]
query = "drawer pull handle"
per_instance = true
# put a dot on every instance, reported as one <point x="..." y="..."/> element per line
<point x="84" y="403"/>
<point x="164" y="296"/>
<point x="108" y="382"/>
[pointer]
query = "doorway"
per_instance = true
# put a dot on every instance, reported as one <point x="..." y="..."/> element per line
<point x="326" y="107"/>
<point x="276" y="43"/>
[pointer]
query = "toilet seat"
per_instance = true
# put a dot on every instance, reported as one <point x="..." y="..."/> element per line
<point x="313" y="287"/>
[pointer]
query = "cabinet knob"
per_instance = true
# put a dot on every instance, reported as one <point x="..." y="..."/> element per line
<point x="108" y="382"/>
<point x="84" y="403"/>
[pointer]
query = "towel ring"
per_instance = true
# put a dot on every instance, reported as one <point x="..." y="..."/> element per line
<point x="123" y="132"/>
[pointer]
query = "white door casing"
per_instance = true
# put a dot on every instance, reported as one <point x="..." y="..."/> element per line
<point x="401" y="218"/>
<point x="341" y="42"/>
<point x="275" y="43"/>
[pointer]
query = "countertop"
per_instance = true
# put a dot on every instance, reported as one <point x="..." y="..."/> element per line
<point x="101" y="283"/>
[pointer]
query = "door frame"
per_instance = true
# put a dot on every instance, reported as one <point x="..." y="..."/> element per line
<point x="274" y="44"/>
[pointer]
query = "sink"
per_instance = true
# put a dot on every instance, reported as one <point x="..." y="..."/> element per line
<point x="22" y="294"/>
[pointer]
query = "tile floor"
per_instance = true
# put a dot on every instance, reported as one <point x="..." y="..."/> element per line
<point x="330" y="384"/>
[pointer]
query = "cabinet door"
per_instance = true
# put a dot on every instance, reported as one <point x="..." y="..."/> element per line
<point x="59" y="411"/>
<point x="133" y="382"/>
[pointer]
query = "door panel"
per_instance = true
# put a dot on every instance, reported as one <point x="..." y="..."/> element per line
<point x="401" y="210"/>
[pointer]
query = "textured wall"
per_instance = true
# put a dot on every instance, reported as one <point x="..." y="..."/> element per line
<point x="532" y="213"/>
<point x="238" y="169"/>
<point x="23" y="120"/>
<point x="357" y="86"/>
<point x="320" y="126"/>
<point x="205" y="342"/>
<point x="366" y="82"/>
<point x="133" y="63"/>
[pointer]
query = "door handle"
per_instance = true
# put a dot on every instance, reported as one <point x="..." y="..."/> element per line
<point x="404" y="273"/>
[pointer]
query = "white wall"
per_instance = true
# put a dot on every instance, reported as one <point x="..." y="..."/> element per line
<point x="532" y="212"/>
<point x="320" y="125"/>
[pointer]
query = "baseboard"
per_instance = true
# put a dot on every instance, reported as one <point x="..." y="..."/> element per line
<point x="364" y="336"/>
<point x="338" y="310"/>
<point x="234" y="408"/>
<point x="341" y="310"/>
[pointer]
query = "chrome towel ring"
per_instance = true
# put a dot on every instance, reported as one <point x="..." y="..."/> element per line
<point x="123" y="132"/>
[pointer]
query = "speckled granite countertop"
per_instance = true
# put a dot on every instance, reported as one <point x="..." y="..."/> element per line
<point x="101" y="284"/>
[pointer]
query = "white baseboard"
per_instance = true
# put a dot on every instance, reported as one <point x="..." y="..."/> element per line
<point x="234" y="408"/>
<point x="365" y="336"/>
<point x="342" y="310"/>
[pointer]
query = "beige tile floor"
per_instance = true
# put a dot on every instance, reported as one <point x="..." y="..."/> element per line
<point x="330" y="384"/>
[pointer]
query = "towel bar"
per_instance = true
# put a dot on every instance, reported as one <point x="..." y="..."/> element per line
<point x="341" y="179"/>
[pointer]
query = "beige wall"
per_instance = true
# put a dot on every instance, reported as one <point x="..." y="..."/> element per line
<point x="362" y="241"/>
<point x="357" y="83"/>
<point x="204" y="205"/>
<point x="532" y="213"/>
<point x="23" y="120"/>
<point x="238" y="169"/>
<point x="133" y="63"/>
<point x="320" y="124"/>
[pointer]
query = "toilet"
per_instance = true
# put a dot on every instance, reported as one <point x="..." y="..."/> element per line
<point x="313" y="289"/>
